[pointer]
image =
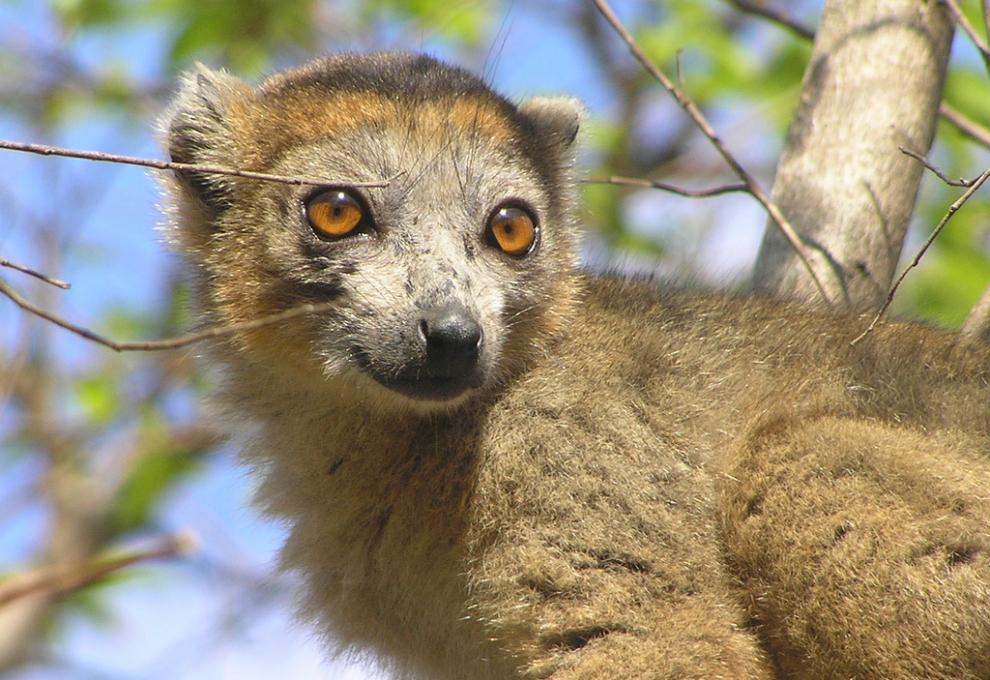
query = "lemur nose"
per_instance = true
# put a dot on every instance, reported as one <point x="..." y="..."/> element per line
<point x="452" y="338"/>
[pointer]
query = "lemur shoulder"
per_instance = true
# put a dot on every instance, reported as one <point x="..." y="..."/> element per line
<point x="495" y="466"/>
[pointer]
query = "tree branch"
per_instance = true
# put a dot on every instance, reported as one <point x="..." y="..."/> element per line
<point x="752" y="186"/>
<point x="966" y="125"/>
<point x="58" y="283"/>
<point x="960" y="20"/>
<point x="775" y="15"/>
<point x="938" y="173"/>
<point x="977" y="325"/>
<point x="663" y="186"/>
<point x="873" y="83"/>
<point x="958" y="203"/>
<point x="61" y="579"/>
<point x="46" y="150"/>
<point x="165" y="344"/>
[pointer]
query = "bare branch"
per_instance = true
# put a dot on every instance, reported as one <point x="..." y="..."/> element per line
<point x="966" y="125"/>
<point x="663" y="186"/>
<point x="66" y="578"/>
<point x="924" y="161"/>
<point x="58" y="283"/>
<point x="960" y="19"/>
<point x="752" y="186"/>
<point x="46" y="150"/>
<point x="977" y="325"/>
<point x="958" y="203"/>
<point x="775" y="15"/>
<point x="168" y="343"/>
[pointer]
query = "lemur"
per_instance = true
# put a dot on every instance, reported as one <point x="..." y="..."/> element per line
<point x="495" y="466"/>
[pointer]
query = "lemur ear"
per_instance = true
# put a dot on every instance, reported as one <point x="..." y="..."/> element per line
<point x="557" y="118"/>
<point x="199" y="128"/>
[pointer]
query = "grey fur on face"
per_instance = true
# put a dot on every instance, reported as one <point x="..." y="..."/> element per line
<point x="426" y="249"/>
<point x="424" y="304"/>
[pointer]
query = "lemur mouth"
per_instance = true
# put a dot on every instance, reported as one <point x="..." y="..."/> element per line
<point x="427" y="382"/>
<point x="431" y="389"/>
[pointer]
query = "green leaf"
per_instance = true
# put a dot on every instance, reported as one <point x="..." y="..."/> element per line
<point x="462" y="22"/>
<point x="157" y="471"/>
<point x="966" y="89"/>
<point x="97" y="396"/>
<point x="127" y="324"/>
<point x="81" y="13"/>
<point x="242" y="35"/>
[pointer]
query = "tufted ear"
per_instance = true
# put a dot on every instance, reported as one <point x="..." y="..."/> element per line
<point x="555" y="118"/>
<point x="200" y="127"/>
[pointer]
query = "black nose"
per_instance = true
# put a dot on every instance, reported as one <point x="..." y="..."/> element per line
<point x="452" y="338"/>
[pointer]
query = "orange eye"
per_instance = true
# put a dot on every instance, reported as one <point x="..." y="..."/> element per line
<point x="334" y="213"/>
<point x="513" y="230"/>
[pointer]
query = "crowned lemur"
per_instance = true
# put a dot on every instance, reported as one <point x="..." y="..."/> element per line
<point x="495" y="466"/>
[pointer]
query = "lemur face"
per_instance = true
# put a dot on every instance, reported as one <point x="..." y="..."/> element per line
<point x="430" y="270"/>
<point x="442" y="279"/>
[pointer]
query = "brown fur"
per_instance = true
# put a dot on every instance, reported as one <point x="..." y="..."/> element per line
<point x="650" y="484"/>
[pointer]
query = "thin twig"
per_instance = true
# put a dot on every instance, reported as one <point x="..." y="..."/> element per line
<point x="966" y="125"/>
<point x="977" y="325"/>
<point x="46" y="150"/>
<point x="168" y="343"/>
<point x="958" y="203"/>
<point x="775" y="15"/>
<point x="686" y="103"/>
<point x="663" y="186"/>
<point x="924" y="161"/>
<point x="58" y="283"/>
<point x="957" y="16"/>
<point x="66" y="578"/>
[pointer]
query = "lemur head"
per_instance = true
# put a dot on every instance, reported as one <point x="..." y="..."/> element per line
<point x="443" y="280"/>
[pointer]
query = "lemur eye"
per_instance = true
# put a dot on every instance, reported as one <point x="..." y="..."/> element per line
<point x="513" y="230"/>
<point x="334" y="213"/>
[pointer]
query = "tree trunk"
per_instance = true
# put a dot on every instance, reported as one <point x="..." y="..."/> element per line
<point x="873" y="84"/>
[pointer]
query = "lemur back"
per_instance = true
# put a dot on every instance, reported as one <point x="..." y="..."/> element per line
<point x="494" y="466"/>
